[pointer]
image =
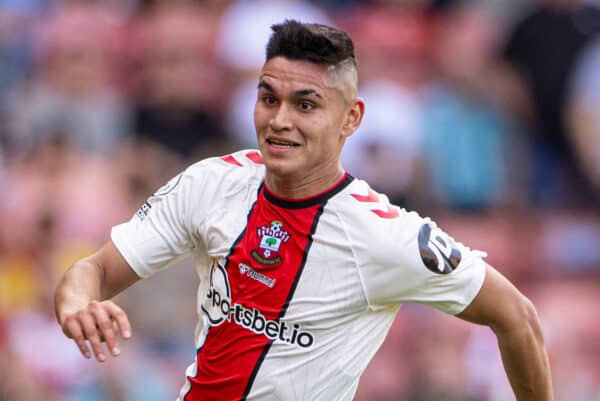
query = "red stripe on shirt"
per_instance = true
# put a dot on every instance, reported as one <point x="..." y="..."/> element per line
<point x="231" y="355"/>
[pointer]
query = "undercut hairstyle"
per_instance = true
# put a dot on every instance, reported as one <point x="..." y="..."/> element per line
<point x="317" y="43"/>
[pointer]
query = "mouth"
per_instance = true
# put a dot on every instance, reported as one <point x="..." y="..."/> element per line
<point x="282" y="143"/>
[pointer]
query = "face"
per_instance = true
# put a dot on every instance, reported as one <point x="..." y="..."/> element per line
<point x="302" y="119"/>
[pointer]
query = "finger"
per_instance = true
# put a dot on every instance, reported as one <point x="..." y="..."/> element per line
<point x="73" y="329"/>
<point x="120" y="317"/>
<point x="105" y="325"/>
<point x="91" y="334"/>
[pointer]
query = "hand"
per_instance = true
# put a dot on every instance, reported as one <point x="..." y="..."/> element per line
<point x="96" y="323"/>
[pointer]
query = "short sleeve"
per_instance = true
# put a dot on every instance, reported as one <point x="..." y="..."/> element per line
<point x="418" y="262"/>
<point x="160" y="231"/>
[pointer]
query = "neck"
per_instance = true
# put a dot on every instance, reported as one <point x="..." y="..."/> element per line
<point x="294" y="188"/>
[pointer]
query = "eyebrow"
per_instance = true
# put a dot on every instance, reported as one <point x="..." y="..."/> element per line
<point x="306" y="92"/>
<point x="298" y="93"/>
<point x="263" y="84"/>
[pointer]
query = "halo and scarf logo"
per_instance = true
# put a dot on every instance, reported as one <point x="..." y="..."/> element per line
<point x="271" y="238"/>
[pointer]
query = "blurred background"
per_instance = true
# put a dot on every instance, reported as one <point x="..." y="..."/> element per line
<point x="484" y="115"/>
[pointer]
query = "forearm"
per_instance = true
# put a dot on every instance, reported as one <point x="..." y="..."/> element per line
<point x="80" y="285"/>
<point x="98" y="277"/>
<point x="525" y="361"/>
<point x="81" y="309"/>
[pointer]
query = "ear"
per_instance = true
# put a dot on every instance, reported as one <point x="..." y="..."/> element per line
<point x="354" y="116"/>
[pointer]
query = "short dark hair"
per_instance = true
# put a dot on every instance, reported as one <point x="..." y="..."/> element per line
<point x="317" y="43"/>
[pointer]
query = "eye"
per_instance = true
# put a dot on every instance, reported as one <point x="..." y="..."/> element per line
<point x="269" y="100"/>
<point x="306" y="105"/>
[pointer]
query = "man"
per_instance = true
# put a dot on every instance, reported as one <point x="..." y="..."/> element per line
<point x="540" y="58"/>
<point x="302" y="267"/>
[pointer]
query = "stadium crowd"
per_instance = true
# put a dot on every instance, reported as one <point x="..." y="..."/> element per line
<point x="480" y="114"/>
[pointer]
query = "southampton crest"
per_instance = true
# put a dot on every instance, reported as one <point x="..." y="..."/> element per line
<point x="271" y="238"/>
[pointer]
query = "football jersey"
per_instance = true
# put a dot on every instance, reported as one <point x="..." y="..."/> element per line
<point x="295" y="295"/>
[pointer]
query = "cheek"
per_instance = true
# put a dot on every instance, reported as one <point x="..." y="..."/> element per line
<point x="327" y="133"/>
<point x="320" y="127"/>
<point x="260" y="118"/>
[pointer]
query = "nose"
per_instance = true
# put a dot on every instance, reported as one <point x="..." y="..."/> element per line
<point x="280" y="121"/>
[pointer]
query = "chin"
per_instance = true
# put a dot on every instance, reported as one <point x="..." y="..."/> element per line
<point x="279" y="167"/>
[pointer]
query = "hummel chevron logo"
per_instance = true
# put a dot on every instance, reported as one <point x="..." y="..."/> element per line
<point x="253" y="156"/>
<point x="231" y="160"/>
<point x="390" y="212"/>
<point x="372" y="197"/>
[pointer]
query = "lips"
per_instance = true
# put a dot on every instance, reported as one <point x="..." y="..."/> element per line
<point x="281" y="142"/>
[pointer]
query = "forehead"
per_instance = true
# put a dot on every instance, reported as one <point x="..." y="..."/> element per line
<point x="292" y="75"/>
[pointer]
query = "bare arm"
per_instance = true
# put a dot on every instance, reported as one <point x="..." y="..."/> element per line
<point x="82" y="304"/>
<point x="514" y="320"/>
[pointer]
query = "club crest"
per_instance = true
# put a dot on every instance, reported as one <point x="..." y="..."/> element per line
<point x="271" y="239"/>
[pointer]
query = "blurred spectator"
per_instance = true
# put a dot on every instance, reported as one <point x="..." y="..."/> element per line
<point x="542" y="49"/>
<point x="178" y="91"/>
<point x="570" y="244"/>
<point x="57" y="193"/>
<point x="16" y="21"/>
<point x="179" y="83"/>
<point x="393" y="48"/>
<point x="466" y="136"/>
<point x="71" y="94"/>
<point x="385" y="150"/>
<point x="573" y="338"/>
<point x="583" y="118"/>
